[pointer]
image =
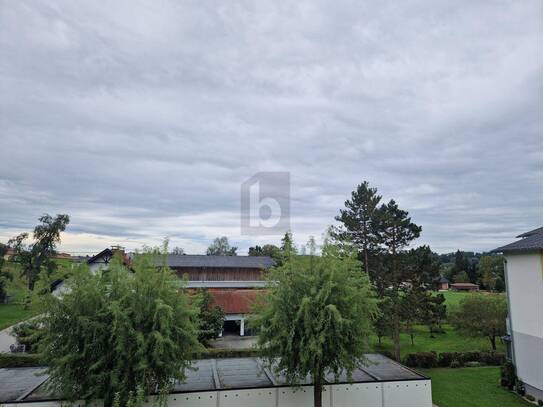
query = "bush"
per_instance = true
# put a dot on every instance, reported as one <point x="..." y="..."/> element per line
<point x="508" y="375"/>
<point x="493" y="358"/>
<point x="445" y="358"/>
<point x="226" y="353"/>
<point x="421" y="359"/>
<point x="540" y="403"/>
<point x="530" y="397"/>
<point x="455" y="364"/>
<point x="29" y="334"/>
<point x="8" y="360"/>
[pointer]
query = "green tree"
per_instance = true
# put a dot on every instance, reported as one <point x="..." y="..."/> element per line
<point x="481" y="315"/>
<point x="119" y="332"/>
<point x="491" y="269"/>
<point x="5" y="276"/>
<point x="398" y="270"/>
<point x="287" y="244"/>
<point x="211" y="317"/>
<point x="177" y="251"/>
<point x="221" y="247"/>
<point x="267" y="250"/>
<point x="360" y="220"/>
<point x="434" y="311"/>
<point x="39" y="256"/>
<point x="317" y="316"/>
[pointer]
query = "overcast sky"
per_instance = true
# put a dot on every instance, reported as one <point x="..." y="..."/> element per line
<point x="142" y="119"/>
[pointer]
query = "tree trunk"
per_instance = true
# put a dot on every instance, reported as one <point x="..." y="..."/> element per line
<point x="317" y="392"/>
<point x="493" y="342"/>
<point x="396" y="337"/>
<point x="412" y="339"/>
<point x="379" y="339"/>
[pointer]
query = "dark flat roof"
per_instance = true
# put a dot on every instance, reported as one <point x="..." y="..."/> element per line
<point x="190" y="260"/>
<point x="530" y="241"/>
<point x="215" y="374"/>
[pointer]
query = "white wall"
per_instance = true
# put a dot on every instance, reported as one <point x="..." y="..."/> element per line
<point x="525" y="293"/>
<point x="414" y="393"/>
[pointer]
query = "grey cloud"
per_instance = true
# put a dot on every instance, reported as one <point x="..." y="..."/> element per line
<point x="141" y="119"/>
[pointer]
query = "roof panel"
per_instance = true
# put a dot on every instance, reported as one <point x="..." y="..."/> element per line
<point x="186" y="260"/>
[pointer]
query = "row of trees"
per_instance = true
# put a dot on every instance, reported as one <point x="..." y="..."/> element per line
<point x="486" y="270"/>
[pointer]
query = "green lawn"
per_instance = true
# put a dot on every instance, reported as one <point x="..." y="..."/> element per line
<point x="13" y="313"/>
<point x="450" y="341"/>
<point x="470" y="387"/>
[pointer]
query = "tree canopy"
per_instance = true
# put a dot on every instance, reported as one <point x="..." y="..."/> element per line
<point x="119" y="333"/>
<point x="481" y="315"/>
<point x="317" y="316"/>
<point x="221" y="247"/>
<point x="38" y="256"/>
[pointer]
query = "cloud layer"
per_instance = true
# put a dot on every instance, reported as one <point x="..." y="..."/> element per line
<point x="142" y="119"/>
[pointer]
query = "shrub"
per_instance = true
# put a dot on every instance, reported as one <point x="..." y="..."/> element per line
<point x="508" y="375"/>
<point x="445" y="358"/>
<point x="8" y="360"/>
<point x="421" y="359"/>
<point x="530" y="397"/>
<point x="455" y="364"/>
<point x="29" y="334"/>
<point x="519" y="388"/>
<point x="540" y="403"/>
<point x="493" y="358"/>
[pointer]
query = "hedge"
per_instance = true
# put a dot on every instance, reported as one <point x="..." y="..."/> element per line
<point x="447" y="359"/>
<point x="19" y="360"/>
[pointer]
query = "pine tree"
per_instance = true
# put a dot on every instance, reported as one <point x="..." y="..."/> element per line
<point x="396" y="232"/>
<point x="317" y="316"/>
<point x="360" y="220"/>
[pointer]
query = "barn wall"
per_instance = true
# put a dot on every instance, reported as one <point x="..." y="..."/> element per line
<point x="219" y="274"/>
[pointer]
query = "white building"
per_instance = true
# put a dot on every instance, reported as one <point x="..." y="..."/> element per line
<point x="524" y="280"/>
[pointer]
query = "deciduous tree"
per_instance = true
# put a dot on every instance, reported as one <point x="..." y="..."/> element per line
<point x="118" y="333"/>
<point x="39" y="255"/>
<point x="481" y="315"/>
<point x="221" y="247"/>
<point x="317" y="316"/>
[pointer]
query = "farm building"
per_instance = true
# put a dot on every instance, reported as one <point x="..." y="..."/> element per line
<point x="233" y="281"/>
<point x="464" y="287"/>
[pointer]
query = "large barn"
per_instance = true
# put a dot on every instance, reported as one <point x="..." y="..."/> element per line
<point x="233" y="281"/>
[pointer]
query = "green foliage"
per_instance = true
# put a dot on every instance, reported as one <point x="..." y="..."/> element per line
<point x="221" y="247"/>
<point x="29" y="334"/>
<point x="421" y="359"/>
<point x="211" y="318"/>
<point x="491" y="270"/>
<point x="5" y="275"/>
<point x="360" y="221"/>
<point x="12" y="360"/>
<point x="316" y="317"/>
<point x="118" y="331"/>
<point x="267" y="250"/>
<point x="481" y="315"/>
<point x="39" y="256"/>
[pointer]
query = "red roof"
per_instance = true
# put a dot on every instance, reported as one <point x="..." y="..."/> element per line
<point x="234" y="301"/>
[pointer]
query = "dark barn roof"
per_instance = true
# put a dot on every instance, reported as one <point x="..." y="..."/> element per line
<point x="530" y="241"/>
<point x="202" y="261"/>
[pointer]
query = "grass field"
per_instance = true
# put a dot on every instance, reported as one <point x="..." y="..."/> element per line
<point x="450" y="341"/>
<point x="470" y="387"/>
<point x="13" y="313"/>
